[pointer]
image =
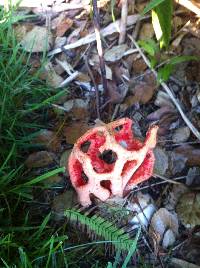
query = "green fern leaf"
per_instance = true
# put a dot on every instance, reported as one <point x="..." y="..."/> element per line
<point x="102" y="228"/>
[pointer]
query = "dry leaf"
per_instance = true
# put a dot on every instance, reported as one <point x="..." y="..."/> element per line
<point x="181" y="134"/>
<point x="62" y="202"/>
<point x="52" y="78"/>
<point x="173" y="196"/>
<point x="114" y="95"/>
<point x="139" y="66"/>
<point x="115" y="53"/>
<point x="162" y="161"/>
<point x="22" y="29"/>
<point x="159" y="113"/>
<point x="165" y="122"/>
<point x="192" y="155"/>
<point x="142" y="93"/>
<point x="193" y="176"/>
<point x="38" y="39"/>
<point x="146" y="32"/>
<point x="188" y="209"/>
<point x="78" y="108"/>
<point x="39" y="159"/>
<point x="83" y="77"/>
<point x="49" y="139"/>
<point x="177" y="163"/>
<point x="75" y="130"/>
<point x="162" y="99"/>
<point x="61" y="24"/>
<point x="140" y="5"/>
<point x="194" y="28"/>
<point x="178" y="22"/>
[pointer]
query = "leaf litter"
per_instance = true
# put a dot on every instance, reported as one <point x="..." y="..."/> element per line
<point x="132" y="91"/>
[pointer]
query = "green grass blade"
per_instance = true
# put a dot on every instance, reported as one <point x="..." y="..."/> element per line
<point x="132" y="249"/>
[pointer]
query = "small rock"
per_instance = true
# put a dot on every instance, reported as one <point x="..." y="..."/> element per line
<point x="161" y="222"/>
<point x="181" y="134"/>
<point x="143" y="207"/>
<point x="168" y="239"/>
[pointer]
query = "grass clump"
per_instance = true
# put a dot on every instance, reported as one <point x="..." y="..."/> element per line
<point x="22" y="243"/>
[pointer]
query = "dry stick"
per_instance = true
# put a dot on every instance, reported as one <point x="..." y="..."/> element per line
<point x="136" y="30"/>
<point x="167" y="89"/>
<point x="167" y="179"/>
<point x="124" y="13"/>
<point x="40" y="3"/>
<point x="94" y="83"/>
<point x="191" y="5"/>
<point x="96" y="20"/>
<point x="49" y="5"/>
<point x="69" y="79"/>
<point x="108" y="30"/>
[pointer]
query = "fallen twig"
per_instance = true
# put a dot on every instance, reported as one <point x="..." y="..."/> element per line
<point x="69" y="79"/>
<point x="110" y="29"/>
<point x="191" y="5"/>
<point x="124" y="13"/>
<point x="155" y="184"/>
<point x="46" y="5"/>
<point x="136" y="30"/>
<point x="167" y="89"/>
<point x="96" y="22"/>
<point x="167" y="179"/>
<point x="94" y="83"/>
<point x="49" y="5"/>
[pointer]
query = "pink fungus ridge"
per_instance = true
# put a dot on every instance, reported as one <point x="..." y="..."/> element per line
<point x="108" y="161"/>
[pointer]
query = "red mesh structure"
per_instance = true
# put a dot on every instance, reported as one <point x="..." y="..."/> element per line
<point x="108" y="161"/>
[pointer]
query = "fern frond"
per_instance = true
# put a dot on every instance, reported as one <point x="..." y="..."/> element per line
<point x="102" y="228"/>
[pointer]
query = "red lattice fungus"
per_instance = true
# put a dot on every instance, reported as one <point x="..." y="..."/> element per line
<point x="108" y="161"/>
